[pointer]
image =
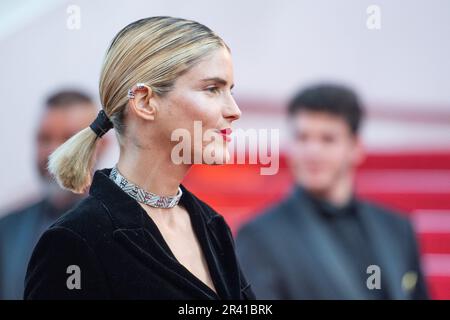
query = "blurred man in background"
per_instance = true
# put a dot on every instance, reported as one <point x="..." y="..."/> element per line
<point x="322" y="242"/>
<point x="66" y="113"/>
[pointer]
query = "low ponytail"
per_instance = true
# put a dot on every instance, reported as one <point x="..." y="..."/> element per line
<point x="72" y="162"/>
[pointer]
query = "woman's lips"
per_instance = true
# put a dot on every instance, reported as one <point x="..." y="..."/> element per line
<point x="226" y="131"/>
<point x="226" y="134"/>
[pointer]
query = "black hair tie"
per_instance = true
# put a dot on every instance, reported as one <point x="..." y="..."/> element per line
<point x="101" y="124"/>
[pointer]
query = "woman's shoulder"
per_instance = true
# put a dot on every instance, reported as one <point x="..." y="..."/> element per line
<point x="87" y="219"/>
<point x="71" y="245"/>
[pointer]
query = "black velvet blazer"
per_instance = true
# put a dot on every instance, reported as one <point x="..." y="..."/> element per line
<point x="121" y="253"/>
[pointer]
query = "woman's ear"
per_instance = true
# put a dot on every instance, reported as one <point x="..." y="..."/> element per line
<point x="142" y="102"/>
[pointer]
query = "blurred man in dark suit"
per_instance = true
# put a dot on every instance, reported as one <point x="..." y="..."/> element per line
<point x="66" y="113"/>
<point x="322" y="242"/>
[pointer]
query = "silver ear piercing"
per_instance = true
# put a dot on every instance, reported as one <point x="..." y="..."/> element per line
<point x="130" y="94"/>
<point x="139" y="86"/>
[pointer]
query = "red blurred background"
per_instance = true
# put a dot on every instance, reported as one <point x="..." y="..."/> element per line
<point x="416" y="184"/>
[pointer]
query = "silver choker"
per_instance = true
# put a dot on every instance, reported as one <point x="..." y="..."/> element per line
<point x="143" y="196"/>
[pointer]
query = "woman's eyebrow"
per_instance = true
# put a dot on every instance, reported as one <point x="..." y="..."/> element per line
<point x="219" y="80"/>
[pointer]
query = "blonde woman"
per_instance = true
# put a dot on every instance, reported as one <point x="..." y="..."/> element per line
<point x="140" y="234"/>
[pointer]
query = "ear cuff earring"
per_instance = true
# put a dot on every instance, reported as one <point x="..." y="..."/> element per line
<point x="130" y="94"/>
<point x="139" y="86"/>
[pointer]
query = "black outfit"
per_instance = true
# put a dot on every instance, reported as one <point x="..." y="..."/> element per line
<point x="19" y="232"/>
<point x="122" y="255"/>
<point x="305" y="248"/>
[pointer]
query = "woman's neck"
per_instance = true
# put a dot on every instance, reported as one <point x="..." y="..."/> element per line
<point x="152" y="170"/>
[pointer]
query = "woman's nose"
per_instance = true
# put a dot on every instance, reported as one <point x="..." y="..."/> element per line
<point x="232" y="111"/>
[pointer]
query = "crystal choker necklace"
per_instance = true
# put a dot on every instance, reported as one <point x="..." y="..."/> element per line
<point x="143" y="196"/>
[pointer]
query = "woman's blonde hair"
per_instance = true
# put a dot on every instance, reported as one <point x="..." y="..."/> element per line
<point x="154" y="51"/>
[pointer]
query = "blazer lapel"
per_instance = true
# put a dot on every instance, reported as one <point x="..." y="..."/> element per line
<point x="143" y="245"/>
<point x="224" y="273"/>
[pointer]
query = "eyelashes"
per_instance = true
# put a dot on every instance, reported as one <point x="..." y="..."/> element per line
<point x="216" y="90"/>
